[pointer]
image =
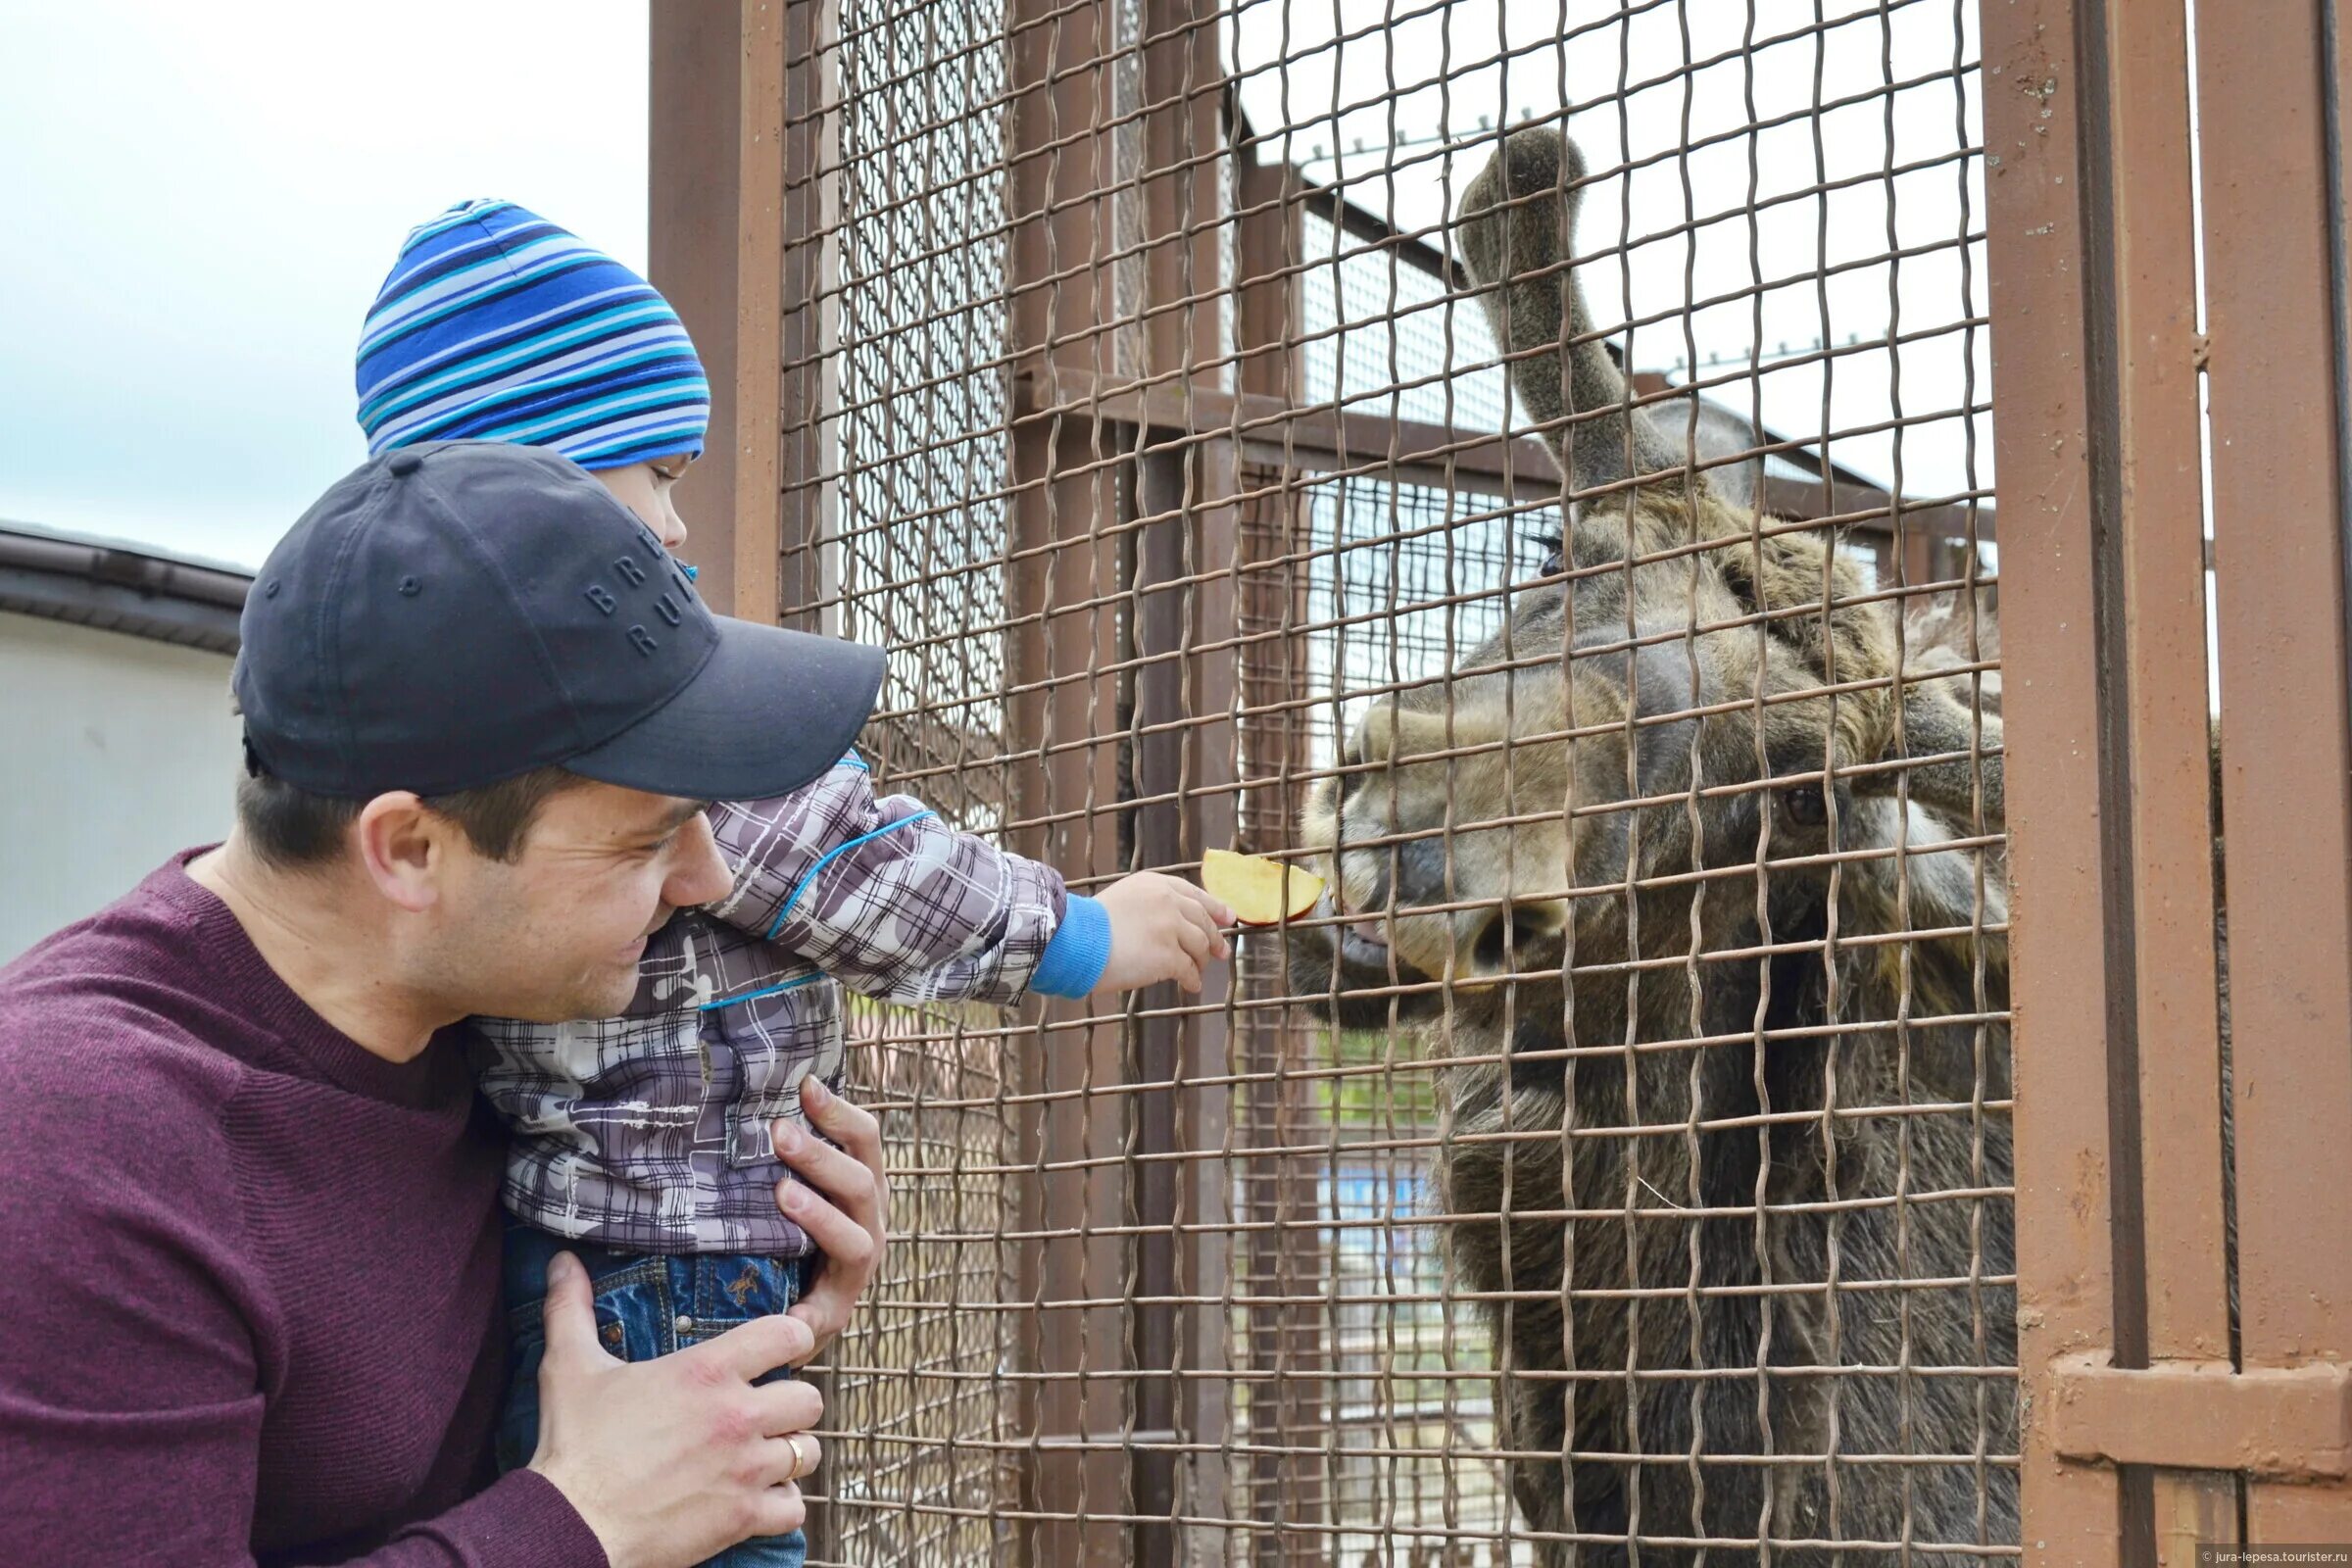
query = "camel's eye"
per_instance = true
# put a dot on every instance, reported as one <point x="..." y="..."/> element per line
<point x="1555" y="559"/>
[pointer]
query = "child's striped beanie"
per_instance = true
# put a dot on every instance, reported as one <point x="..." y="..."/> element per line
<point x="496" y="325"/>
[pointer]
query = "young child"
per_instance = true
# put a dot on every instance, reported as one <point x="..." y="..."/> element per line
<point x="644" y="1144"/>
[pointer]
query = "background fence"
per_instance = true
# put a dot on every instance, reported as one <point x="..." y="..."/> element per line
<point x="1636" y="1186"/>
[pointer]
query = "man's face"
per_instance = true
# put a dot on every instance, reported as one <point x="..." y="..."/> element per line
<point x="556" y="935"/>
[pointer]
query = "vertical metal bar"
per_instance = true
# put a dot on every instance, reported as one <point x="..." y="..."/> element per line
<point x="1165" y="194"/>
<point x="1160" y="622"/>
<point x="756" y="420"/>
<point x="1182" y="82"/>
<point x="2059" y="978"/>
<point x="2162" y="578"/>
<point x="715" y="172"/>
<point x="2161" y="532"/>
<point x="1284" y="1340"/>
<point x="1061" y="309"/>
<point x="693" y="169"/>
<point x="1204" y="1110"/>
<point x="2276" y="380"/>
<point x="785" y="378"/>
<point x="716" y="167"/>
<point x="2182" y="1306"/>
<point x="1074" y="1464"/>
<point x="809" y="338"/>
<point x="1268" y="197"/>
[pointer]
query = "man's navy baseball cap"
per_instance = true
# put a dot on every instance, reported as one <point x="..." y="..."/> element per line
<point x="457" y="613"/>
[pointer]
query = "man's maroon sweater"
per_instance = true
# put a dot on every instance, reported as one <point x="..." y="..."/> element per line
<point x="247" y="1271"/>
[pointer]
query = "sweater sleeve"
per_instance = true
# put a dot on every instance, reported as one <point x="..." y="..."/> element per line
<point x="890" y="900"/>
<point x="130" y="1372"/>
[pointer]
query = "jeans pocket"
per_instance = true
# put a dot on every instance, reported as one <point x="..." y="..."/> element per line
<point x="727" y="1288"/>
<point x="635" y="1321"/>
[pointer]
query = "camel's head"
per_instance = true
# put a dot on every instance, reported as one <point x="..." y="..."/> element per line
<point x="1631" y="718"/>
<point x="1624" y="717"/>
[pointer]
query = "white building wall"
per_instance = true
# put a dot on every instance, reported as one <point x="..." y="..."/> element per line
<point x="114" y="751"/>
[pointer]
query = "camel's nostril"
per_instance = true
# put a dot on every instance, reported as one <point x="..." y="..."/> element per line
<point x="1492" y="951"/>
<point x="1506" y="943"/>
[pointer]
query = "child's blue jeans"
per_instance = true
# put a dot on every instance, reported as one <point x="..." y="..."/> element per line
<point x="647" y="1305"/>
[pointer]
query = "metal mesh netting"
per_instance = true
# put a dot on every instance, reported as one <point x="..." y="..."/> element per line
<point x="1614" y="1166"/>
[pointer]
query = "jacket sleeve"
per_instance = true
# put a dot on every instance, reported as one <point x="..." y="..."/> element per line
<point x="891" y="902"/>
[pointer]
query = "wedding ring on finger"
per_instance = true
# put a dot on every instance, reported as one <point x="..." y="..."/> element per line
<point x="805" y="1452"/>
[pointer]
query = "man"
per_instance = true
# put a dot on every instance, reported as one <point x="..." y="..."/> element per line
<point x="252" y="1228"/>
<point x="641" y="1142"/>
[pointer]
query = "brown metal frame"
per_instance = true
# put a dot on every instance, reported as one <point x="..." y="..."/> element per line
<point x="2179" y="1389"/>
<point x="2143" y="1385"/>
<point x="1143" y="478"/>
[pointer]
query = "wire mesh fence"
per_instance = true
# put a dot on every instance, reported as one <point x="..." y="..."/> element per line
<point x="1529" y="467"/>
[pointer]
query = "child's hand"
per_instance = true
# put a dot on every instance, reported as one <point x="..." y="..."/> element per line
<point x="1162" y="928"/>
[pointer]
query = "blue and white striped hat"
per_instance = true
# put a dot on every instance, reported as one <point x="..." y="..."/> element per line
<point x="496" y="325"/>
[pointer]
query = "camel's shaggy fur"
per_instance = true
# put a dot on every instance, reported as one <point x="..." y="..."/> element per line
<point x="1732" y="1124"/>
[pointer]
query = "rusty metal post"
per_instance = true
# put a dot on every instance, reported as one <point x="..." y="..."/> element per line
<point x="1158" y="618"/>
<point x="1065" y="192"/>
<point x="808" y="333"/>
<point x="1173" y="210"/>
<point x="2123" y="1254"/>
<point x="2274" y="310"/>
<point x="1204" y="1109"/>
<point x="2160" y="573"/>
<point x="1284" y="1346"/>
<point x="1185" y="739"/>
<point x="717" y="242"/>
<point x="2065" y="979"/>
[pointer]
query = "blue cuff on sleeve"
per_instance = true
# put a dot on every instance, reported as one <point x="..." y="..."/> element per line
<point x="1079" y="953"/>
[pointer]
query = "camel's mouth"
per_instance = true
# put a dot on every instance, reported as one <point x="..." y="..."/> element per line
<point x="1366" y="952"/>
<point x="1343" y="964"/>
<point x="1363" y="945"/>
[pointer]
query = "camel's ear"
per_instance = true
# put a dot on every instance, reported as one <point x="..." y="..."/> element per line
<point x="1517" y="220"/>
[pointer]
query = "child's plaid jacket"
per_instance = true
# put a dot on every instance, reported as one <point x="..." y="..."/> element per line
<point x="650" y="1132"/>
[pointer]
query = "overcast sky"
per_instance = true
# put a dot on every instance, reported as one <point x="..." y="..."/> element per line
<point x="1738" y="219"/>
<point x="201" y="199"/>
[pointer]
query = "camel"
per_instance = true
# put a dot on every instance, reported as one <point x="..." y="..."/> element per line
<point x="1693" y="878"/>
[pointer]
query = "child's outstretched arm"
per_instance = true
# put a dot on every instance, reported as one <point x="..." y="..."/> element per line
<point x="891" y="902"/>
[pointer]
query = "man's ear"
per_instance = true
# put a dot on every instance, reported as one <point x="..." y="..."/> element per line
<point x="405" y="849"/>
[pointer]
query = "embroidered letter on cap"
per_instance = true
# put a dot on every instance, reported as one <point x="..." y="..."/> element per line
<point x="595" y="595"/>
<point x="668" y="611"/>
<point x="630" y="572"/>
<point x="643" y="641"/>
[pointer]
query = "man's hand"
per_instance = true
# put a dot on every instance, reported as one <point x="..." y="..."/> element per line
<point x="673" y="1460"/>
<point x="1162" y="928"/>
<point x="852" y="1227"/>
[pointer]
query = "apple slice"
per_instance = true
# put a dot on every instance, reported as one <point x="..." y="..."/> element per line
<point x="1258" y="891"/>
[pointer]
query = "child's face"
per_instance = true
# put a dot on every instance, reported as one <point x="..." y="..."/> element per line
<point x="645" y="489"/>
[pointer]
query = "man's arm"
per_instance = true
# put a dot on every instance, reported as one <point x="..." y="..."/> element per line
<point x="130" y="1399"/>
<point x="132" y="1375"/>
